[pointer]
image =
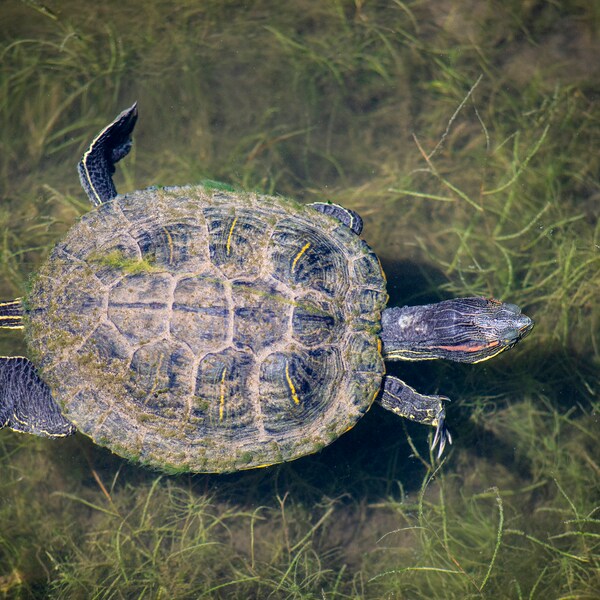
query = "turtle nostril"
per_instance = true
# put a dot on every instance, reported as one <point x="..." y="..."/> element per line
<point x="513" y="308"/>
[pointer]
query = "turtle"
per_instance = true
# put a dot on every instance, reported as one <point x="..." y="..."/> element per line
<point x="204" y="329"/>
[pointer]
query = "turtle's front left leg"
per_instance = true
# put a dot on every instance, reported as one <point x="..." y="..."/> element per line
<point x="97" y="165"/>
<point x="406" y="402"/>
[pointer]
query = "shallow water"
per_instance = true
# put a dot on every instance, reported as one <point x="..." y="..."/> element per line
<point x="464" y="137"/>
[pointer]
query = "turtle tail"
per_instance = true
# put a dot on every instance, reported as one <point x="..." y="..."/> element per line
<point x="11" y="314"/>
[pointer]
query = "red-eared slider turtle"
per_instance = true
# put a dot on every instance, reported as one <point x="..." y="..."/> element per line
<point x="202" y="329"/>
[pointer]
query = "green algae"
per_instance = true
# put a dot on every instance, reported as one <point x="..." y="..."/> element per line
<point x="209" y="184"/>
<point x="116" y="259"/>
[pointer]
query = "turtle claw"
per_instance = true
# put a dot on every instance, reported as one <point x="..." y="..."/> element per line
<point x="442" y="437"/>
<point x="406" y="402"/>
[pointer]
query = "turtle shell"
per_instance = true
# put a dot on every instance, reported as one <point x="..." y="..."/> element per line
<point x="198" y="329"/>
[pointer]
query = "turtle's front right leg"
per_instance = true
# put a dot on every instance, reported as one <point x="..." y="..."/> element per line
<point x="349" y="218"/>
<point x="406" y="402"/>
<point x="26" y="404"/>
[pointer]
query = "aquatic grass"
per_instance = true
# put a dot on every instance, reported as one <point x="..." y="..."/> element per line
<point x="162" y="539"/>
<point x="43" y="80"/>
<point x="156" y="541"/>
<point x="133" y="537"/>
<point x="439" y="548"/>
<point x="359" y="47"/>
<point x="28" y="231"/>
<point x="468" y="548"/>
<point x="26" y="528"/>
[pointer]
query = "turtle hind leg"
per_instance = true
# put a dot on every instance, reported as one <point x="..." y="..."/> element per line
<point x="97" y="165"/>
<point x="406" y="402"/>
<point x="26" y="404"/>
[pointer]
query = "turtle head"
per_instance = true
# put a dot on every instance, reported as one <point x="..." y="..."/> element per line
<point x="503" y="322"/>
<point x="462" y="329"/>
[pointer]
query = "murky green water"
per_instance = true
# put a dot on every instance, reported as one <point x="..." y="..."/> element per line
<point x="465" y="136"/>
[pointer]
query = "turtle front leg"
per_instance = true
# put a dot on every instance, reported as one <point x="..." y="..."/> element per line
<point x="26" y="404"/>
<point x="406" y="402"/>
<point x="348" y="217"/>
<point x="97" y="165"/>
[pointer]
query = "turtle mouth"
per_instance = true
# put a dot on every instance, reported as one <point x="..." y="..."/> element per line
<point x="525" y="326"/>
<point x="522" y="328"/>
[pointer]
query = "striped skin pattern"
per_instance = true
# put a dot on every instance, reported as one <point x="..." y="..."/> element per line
<point x="11" y="314"/>
<point x="205" y="330"/>
<point x="18" y="379"/>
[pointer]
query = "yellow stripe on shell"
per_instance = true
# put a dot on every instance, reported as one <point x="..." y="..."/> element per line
<point x="304" y="249"/>
<point x="222" y="399"/>
<point x="381" y="269"/>
<point x="170" y="242"/>
<point x="291" y="384"/>
<point x="156" y="380"/>
<point x="228" y="246"/>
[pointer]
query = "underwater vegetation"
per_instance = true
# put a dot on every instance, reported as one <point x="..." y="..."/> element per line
<point x="466" y="135"/>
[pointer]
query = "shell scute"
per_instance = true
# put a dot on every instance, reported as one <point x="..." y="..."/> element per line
<point x="159" y="375"/>
<point x="201" y="314"/>
<point x="139" y="306"/>
<point x="304" y="256"/>
<point x="317" y="321"/>
<point x="236" y="240"/>
<point x="222" y="387"/>
<point x="261" y="314"/>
